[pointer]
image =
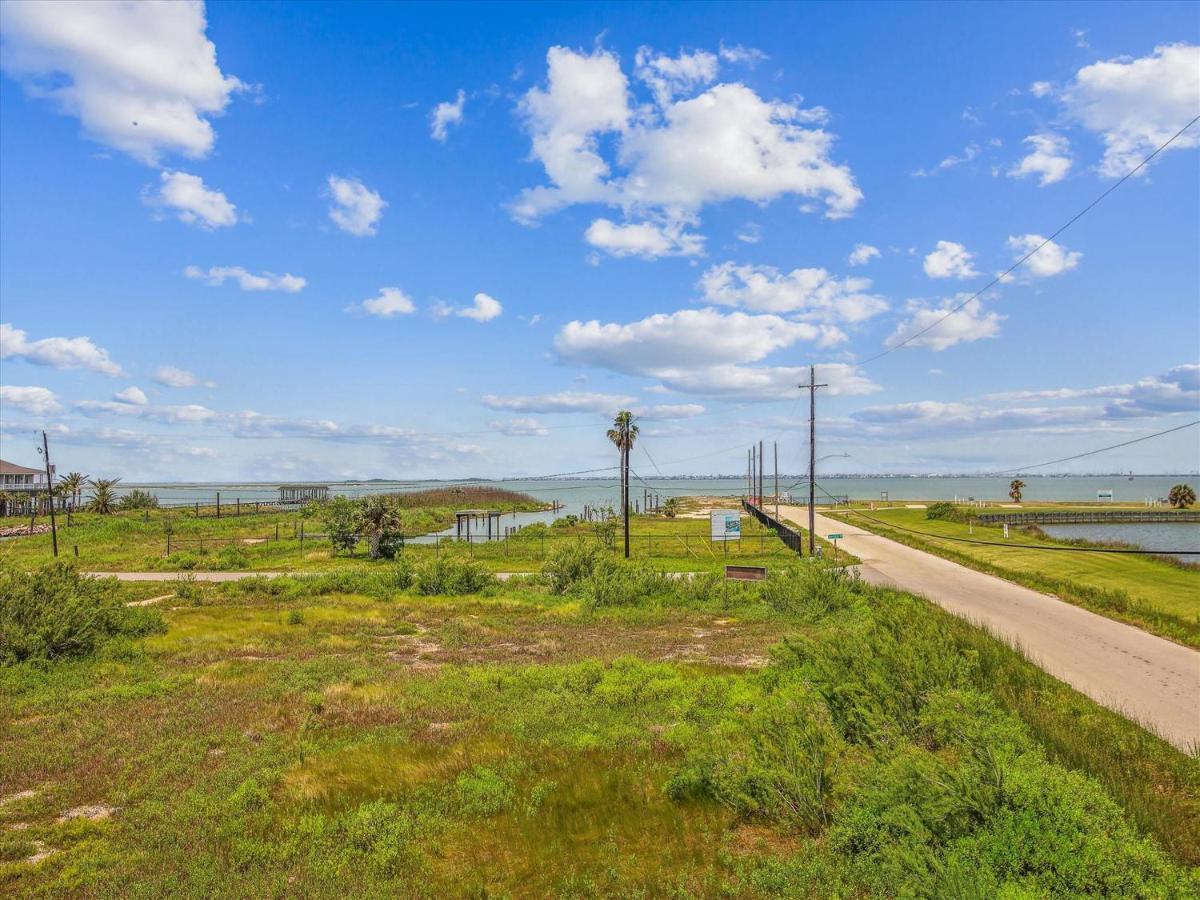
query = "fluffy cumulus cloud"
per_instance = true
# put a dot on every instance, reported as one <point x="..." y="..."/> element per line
<point x="173" y="376"/>
<point x="215" y="276"/>
<point x="56" y="352"/>
<point x="702" y="351"/>
<point x="133" y="394"/>
<point x="39" y="401"/>
<point x="950" y="260"/>
<point x="355" y="208"/>
<point x="560" y="402"/>
<point x="1178" y="391"/>
<point x="192" y="202"/>
<point x="483" y="308"/>
<point x="1049" y="159"/>
<point x="918" y="418"/>
<point x="969" y="154"/>
<point x="754" y="383"/>
<point x="937" y="328"/>
<point x="663" y="160"/>
<point x="670" y="411"/>
<point x="809" y="293"/>
<point x="1135" y="105"/>
<point x="1051" y="259"/>
<point x="862" y="254"/>
<point x="644" y="239"/>
<point x="521" y="427"/>
<point x="445" y="114"/>
<point x="389" y="302"/>
<point x="140" y="77"/>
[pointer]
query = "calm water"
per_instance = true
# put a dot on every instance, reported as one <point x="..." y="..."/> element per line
<point x="1149" y="536"/>
<point x="576" y="493"/>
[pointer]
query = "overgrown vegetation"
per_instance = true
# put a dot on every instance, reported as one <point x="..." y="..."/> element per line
<point x="54" y="612"/>
<point x="602" y="730"/>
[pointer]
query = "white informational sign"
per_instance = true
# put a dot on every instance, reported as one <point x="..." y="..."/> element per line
<point x="1104" y="495"/>
<point x="726" y="524"/>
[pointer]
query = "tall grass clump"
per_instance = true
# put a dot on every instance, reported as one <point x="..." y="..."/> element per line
<point x="451" y="577"/>
<point x="54" y="612"/>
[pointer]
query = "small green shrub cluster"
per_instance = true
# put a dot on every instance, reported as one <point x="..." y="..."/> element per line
<point x="55" y="612"/>
<point x="382" y="582"/>
<point x="877" y="733"/>
<point x="138" y="499"/>
<point x="945" y="511"/>
<point x="451" y="577"/>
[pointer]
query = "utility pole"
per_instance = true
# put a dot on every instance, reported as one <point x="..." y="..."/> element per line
<point x="50" y="492"/>
<point x="753" y="476"/>
<point x="812" y="456"/>
<point x="761" y="461"/>
<point x="749" y="489"/>
<point x="625" y="481"/>
<point x="775" y="444"/>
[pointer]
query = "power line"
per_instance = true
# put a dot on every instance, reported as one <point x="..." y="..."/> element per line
<point x="1098" y="450"/>
<point x="1003" y="275"/>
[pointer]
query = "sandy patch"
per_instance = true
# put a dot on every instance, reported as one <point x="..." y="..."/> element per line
<point x="150" y="601"/>
<point x="96" y="813"/>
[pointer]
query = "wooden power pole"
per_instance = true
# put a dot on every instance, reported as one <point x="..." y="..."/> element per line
<point x="50" y="492"/>
<point x="812" y="456"/>
<point x="761" y="460"/>
<point x="775" y="446"/>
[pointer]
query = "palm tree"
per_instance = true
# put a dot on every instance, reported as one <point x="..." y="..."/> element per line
<point x="1181" y="496"/>
<point x="380" y="518"/>
<point x="72" y="483"/>
<point x="104" y="495"/>
<point x="1014" y="489"/>
<point x="623" y="434"/>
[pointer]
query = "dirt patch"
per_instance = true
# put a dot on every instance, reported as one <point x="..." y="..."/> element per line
<point x="150" y="601"/>
<point x="19" y="795"/>
<point x="40" y="852"/>
<point x="96" y="813"/>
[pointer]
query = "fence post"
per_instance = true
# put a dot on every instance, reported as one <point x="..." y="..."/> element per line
<point x="218" y="504"/>
<point x="168" y="545"/>
<point x="301" y="537"/>
<point x="238" y="501"/>
<point x="276" y="531"/>
<point x="197" y="509"/>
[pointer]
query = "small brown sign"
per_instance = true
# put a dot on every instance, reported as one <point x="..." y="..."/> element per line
<point x="745" y="573"/>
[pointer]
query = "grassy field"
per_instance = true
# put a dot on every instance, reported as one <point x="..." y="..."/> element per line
<point x="602" y="732"/>
<point x="1158" y="595"/>
<point x="137" y="542"/>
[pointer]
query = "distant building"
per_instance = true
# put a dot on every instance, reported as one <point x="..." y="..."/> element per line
<point x="19" y="478"/>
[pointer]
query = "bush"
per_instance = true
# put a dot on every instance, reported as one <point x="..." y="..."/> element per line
<point x="341" y="522"/>
<point x="569" y="521"/>
<point x="569" y="565"/>
<point x="138" y="499"/>
<point x="943" y="510"/>
<point x="55" y="612"/>
<point x="450" y="577"/>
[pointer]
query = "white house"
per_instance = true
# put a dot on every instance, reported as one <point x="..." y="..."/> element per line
<point x="19" y="478"/>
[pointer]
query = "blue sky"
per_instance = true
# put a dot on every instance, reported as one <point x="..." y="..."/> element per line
<point x="266" y="241"/>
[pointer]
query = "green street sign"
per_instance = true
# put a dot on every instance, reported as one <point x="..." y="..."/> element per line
<point x="835" y="537"/>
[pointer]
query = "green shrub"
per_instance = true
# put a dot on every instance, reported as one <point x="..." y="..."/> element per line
<point x="138" y="499"/>
<point x="943" y="510"/>
<point x="570" y="564"/>
<point x="449" y="577"/>
<point x="482" y="792"/>
<point x="569" y="521"/>
<point x="340" y="516"/>
<point x="231" y="558"/>
<point x="55" y="612"/>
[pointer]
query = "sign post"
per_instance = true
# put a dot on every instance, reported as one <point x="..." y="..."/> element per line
<point x="726" y="525"/>
<point x="835" y="537"/>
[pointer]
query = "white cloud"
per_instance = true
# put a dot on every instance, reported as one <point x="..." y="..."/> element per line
<point x="1178" y="391"/>
<point x="688" y="338"/>
<point x="919" y="417"/>
<point x="482" y="309"/>
<point x="750" y="233"/>
<point x="521" y="427"/>
<point x="815" y="293"/>
<point x="190" y="413"/>
<point x="674" y="156"/>
<point x="193" y="202"/>
<point x="667" y="76"/>
<point x="965" y="326"/>
<point x="390" y="301"/>
<point x="862" y="254"/>
<point x="356" y="209"/>
<point x="950" y="260"/>
<point x="1136" y="105"/>
<point x="671" y="411"/>
<point x="643" y="239"/>
<point x="738" y="54"/>
<point x="446" y="114"/>
<point x="57" y="352"/>
<point x="247" y="281"/>
<point x="1052" y="259"/>
<point x="1040" y="88"/>
<point x="37" y="400"/>
<point x="173" y="376"/>
<point x="133" y="394"/>
<point x="140" y="77"/>
<point x="1050" y="159"/>
<point x="561" y="402"/>
<point x="755" y="383"/>
<point x="970" y="152"/>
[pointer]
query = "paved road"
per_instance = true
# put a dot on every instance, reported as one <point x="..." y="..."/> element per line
<point x="1151" y="680"/>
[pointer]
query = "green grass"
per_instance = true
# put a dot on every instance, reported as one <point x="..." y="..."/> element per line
<point x="137" y="542"/>
<point x="344" y="734"/>
<point x="1157" y="595"/>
